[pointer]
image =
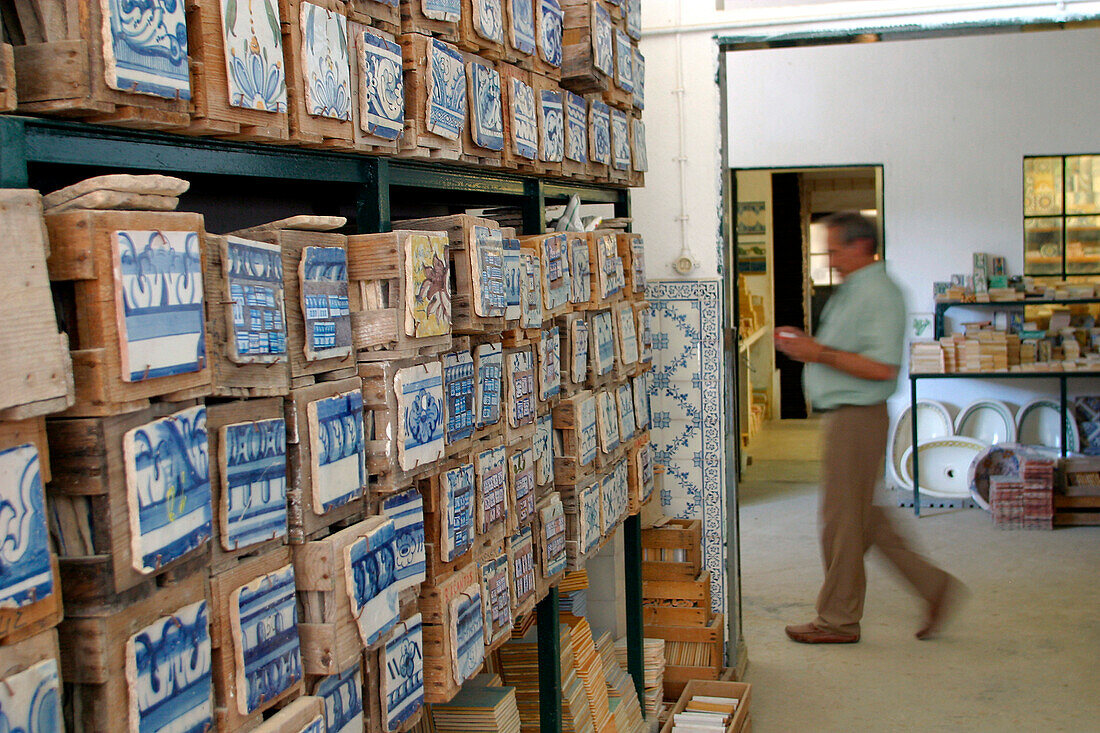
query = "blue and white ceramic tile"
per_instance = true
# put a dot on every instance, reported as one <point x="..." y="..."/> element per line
<point x="641" y="400"/>
<point x="381" y="86"/>
<point x="446" y="90"/>
<point x="167" y="467"/>
<point x="447" y="10"/>
<point x="407" y="512"/>
<point x="610" y="512"/>
<point x="497" y="606"/>
<point x="543" y="450"/>
<point x="624" y="61"/>
<point x="624" y="399"/>
<point x="420" y="414"/>
<point x="620" y="140"/>
<point x="549" y="364"/>
<point x="492" y="488"/>
<point x="253" y="475"/>
<point x="551" y="126"/>
<point x="576" y="128"/>
<point x="554" y="252"/>
<point x="644" y="467"/>
<point x="323" y="279"/>
<point x="467" y="633"/>
<point x="552" y="519"/>
<point x="550" y="17"/>
<point x="634" y="18"/>
<point x="403" y="674"/>
<point x="342" y="697"/>
<point x="580" y="272"/>
<point x="315" y="725"/>
<point x="513" y="279"/>
<point x="370" y="573"/>
<point x="591" y="515"/>
<point x="578" y="351"/>
<point x="159" y="284"/>
<point x="607" y="418"/>
<point x="337" y="453"/>
<point x="603" y="39"/>
<point x="168" y="666"/>
<point x="254" y="68"/>
<point x="521" y="480"/>
<point x="588" y="430"/>
<point x="639" y="156"/>
<point x="531" y="291"/>
<point x="525" y="128"/>
<point x="645" y="334"/>
<point x="254" y="279"/>
<point x="489" y="368"/>
<point x="628" y="337"/>
<point x="687" y="356"/>
<point x="522" y="31"/>
<point x="30" y="701"/>
<point x="25" y="572"/>
<point x="489" y="20"/>
<point x="638" y="76"/>
<point x="145" y="48"/>
<point x="486" y="120"/>
<point x="458" y="386"/>
<point x="264" y="624"/>
<point x="457" y="496"/>
<point x="519" y="374"/>
<point x="599" y="132"/>
<point x="602" y="350"/>
<point x="490" y="299"/>
<point x="325" y="62"/>
<point x="609" y="266"/>
<point x="521" y="572"/>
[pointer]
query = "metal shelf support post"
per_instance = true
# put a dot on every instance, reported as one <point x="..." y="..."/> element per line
<point x="373" y="206"/>
<point x="549" y="655"/>
<point x="13" y="153"/>
<point x="635" y="635"/>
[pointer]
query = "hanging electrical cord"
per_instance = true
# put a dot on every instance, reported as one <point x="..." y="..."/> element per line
<point x="685" y="262"/>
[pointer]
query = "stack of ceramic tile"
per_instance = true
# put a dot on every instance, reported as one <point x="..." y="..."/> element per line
<point x="1006" y="501"/>
<point x="926" y="357"/>
<point x="479" y="707"/>
<point x="573" y="598"/>
<point x="967" y="355"/>
<point x="622" y="696"/>
<point x="653" y="657"/>
<point x="519" y="667"/>
<point x="1038" y="476"/>
<point x="705" y="714"/>
<point x="992" y="350"/>
<point x="575" y="713"/>
<point x="950" y="363"/>
<point x="1012" y="348"/>
<point x="589" y="668"/>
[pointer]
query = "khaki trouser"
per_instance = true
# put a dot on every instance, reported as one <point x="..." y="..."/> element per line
<point x="854" y="448"/>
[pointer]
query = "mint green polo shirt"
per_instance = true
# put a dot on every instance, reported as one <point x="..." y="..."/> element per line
<point x="865" y="315"/>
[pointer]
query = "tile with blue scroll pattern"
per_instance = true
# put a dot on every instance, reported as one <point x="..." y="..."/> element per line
<point x="549" y="351"/>
<point x="257" y="322"/>
<point x="576" y="127"/>
<point x="253" y="478"/>
<point x="637" y="263"/>
<point x="626" y="333"/>
<point x="167" y="469"/>
<point x="427" y="285"/>
<point x="638" y="75"/>
<point x="549" y="18"/>
<point x="168" y="671"/>
<point x="446" y="10"/>
<point x="264" y="625"/>
<point x="634" y="18"/>
<point x="521" y="484"/>
<point x="488" y="387"/>
<point x="254" y="70"/>
<point x="489" y="19"/>
<point x="525" y="127"/>
<point x="554" y="253"/>
<point x="521" y="30"/>
<point x="551" y="126"/>
<point x="609" y="512"/>
<point x="323" y="278"/>
<point x="159" y="291"/>
<point x="336" y="450"/>
<point x="402" y="678"/>
<point x="487" y="264"/>
<point x="381" y="86"/>
<point x="407" y="512"/>
<point x="370" y="574"/>
<point x="446" y="90"/>
<point x="591" y="515"/>
<point x="513" y="278"/>
<point x="602" y="350"/>
<point x="531" y="291"/>
<point x="620" y="140"/>
<point x="607" y="418"/>
<point x="542" y="450"/>
<point x="30" y="700"/>
<point x="624" y="61"/>
<point x="624" y="399"/>
<point x="496" y="597"/>
<point x="492" y="488"/>
<point x="342" y="699"/>
<point x="521" y="571"/>
<point x="603" y="34"/>
<point x="641" y="401"/>
<point x="644" y="468"/>
<point x="25" y="571"/>
<point x="580" y="271"/>
<point x="578" y="351"/>
<point x="519" y="390"/>
<point x="638" y="155"/>
<point x="145" y="47"/>
<point x="588" y="428"/>
<point x="326" y="63"/>
<point x="552" y="519"/>
<point x="466" y="630"/>
<point x="599" y="132"/>
<point x="645" y="333"/>
<point x="420" y="414"/>
<point x="486" y="119"/>
<point x="457" y="496"/>
<point x="458" y="389"/>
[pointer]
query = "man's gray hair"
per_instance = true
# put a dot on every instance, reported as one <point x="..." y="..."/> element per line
<point x="853" y="227"/>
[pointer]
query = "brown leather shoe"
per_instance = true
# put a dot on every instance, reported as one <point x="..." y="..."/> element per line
<point x="942" y="607"/>
<point x="810" y="634"/>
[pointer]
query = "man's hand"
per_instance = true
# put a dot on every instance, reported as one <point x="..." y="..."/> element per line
<point x="795" y="343"/>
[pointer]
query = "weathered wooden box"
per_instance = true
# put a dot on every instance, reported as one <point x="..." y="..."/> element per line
<point x="436" y="104"/>
<point x="449" y="517"/>
<point x="608" y="277"/>
<point x="377" y="84"/>
<point x="483" y="132"/>
<point x="587" y="46"/>
<point x="453" y="641"/>
<point x="673" y="550"/>
<point x="631" y="249"/>
<point x="383" y="15"/>
<point x="7" y="78"/>
<point x="640" y="466"/>
<point x="620" y="92"/>
<point x="431" y="18"/>
<point x="481" y="28"/>
<point x="699" y="655"/>
<point x="135" y="306"/>
<point x="521" y="127"/>
<point x="550" y="114"/>
<point x="576" y="446"/>
<point x="306" y="713"/>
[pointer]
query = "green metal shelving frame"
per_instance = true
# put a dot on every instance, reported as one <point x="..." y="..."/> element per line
<point x="26" y="142"/>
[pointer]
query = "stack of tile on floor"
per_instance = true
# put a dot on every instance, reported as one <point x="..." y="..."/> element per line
<point x="576" y="714"/>
<point x="573" y="600"/>
<point x="589" y="668"/>
<point x="622" y="696"/>
<point x="654" y="658"/>
<point x="480" y="705"/>
<point x="1026" y="502"/>
<point x="519" y="666"/>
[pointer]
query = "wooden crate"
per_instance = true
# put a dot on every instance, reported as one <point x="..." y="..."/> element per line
<point x="472" y="309"/>
<point x="382" y="15"/>
<point x="443" y="26"/>
<point x="519" y="49"/>
<point x="95" y="639"/>
<point x="583" y="69"/>
<point x="306" y="127"/>
<point x="212" y="109"/>
<point x="385" y="285"/>
<point x="519" y="395"/>
<point x="292" y="237"/>
<point x="479" y="36"/>
<point x="741" y="691"/>
<point x="640" y="470"/>
<point x="418" y="140"/>
<point x="440" y="684"/>
<point x="631" y="249"/>
<point x="707" y="643"/>
<point x="303" y="714"/>
<point x="381" y="415"/>
<point x="7" y="78"/>
<point x="680" y="593"/>
<point x="573" y="332"/>
<point x="436" y="519"/>
<point x="674" y="616"/>
<point x="575" y="459"/>
<point x="600" y="152"/>
<point x="620" y="92"/>
<point x="553" y="253"/>
<point x="90" y="503"/>
<point x="608" y="277"/>
<point x="482" y="148"/>
<point x="82" y="246"/>
<point x="520" y="120"/>
<point x="549" y="19"/>
<point x="373" y="134"/>
<point x="495" y="578"/>
<point x="550" y="110"/>
<point x="62" y="69"/>
<point x="303" y="516"/>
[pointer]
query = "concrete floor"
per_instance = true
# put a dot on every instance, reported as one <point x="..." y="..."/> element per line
<point x="1023" y="654"/>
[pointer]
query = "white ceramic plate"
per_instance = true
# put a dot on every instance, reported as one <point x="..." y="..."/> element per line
<point x="933" y="421"/>
<point x="988" y="420"/>
<point x="1039" y="422"/>
<point x="944" y="466"/>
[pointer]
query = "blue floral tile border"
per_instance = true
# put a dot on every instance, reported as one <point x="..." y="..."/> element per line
<point x="686" y="390"/>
